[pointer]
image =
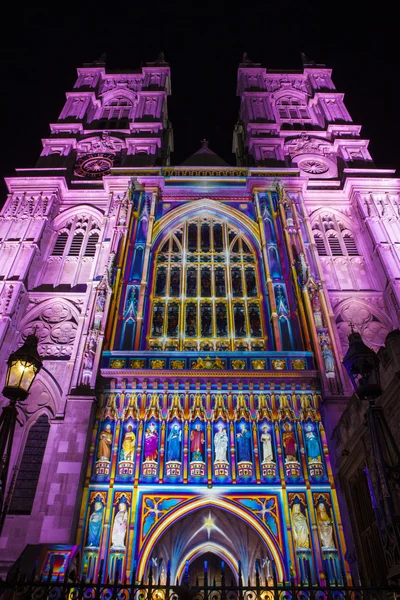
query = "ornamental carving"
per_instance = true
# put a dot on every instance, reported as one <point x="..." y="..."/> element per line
<point x="372" y="326"/>
<point x="299" y="364"/>
<point x="278" y="364"/>
<point x="56" y="329"/>
<point x="157" y="364"/>
<point x="258" y="365"/>
<point x="315" y="167"/>
<point x="208" y="363"/>
<point x="137" y="364"/>
<point x="100" y="144"/>
<point x="238" y="365"/>
<point x="117" y="363"/>
<point x="177" y="364"/>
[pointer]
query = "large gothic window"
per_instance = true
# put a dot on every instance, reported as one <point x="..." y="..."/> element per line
<point x="206" y="293"/>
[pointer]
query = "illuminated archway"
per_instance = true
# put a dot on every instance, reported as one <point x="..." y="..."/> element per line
<point x="209" y="502"/>
<point x="203" y="549"/>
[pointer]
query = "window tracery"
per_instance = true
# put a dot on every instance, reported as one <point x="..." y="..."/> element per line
<point x="206" y="292"/>
<point x="117" y="108"/>
<point x="291" y="109"/>
<point x="332" y="238"/>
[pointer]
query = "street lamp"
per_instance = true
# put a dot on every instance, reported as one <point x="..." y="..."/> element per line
<point x="362" y="365"/>
<point x="22" y="367"/>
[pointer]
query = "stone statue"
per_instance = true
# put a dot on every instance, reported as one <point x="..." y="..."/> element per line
<point x="174" y="443"/>
<point x="325" y="527"/>
<point x="95" y="523"/>
<point x="300" y="528"/>
<point x="244" y="444"/>
<point x="266" y="441"/>
<point x="119" y="528"/>
<point x="197" y="442"/>
<point x="128" y="444"/>
<point x="221" y="444"/>
<point x="104" y="448"/>
<point x="313" y="448"/>
<point x="151" y="443"/>
<point x="329" y="361"/>
<point x="289" y="442"/>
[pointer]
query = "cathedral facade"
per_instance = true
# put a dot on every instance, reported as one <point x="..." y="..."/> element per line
<point x="192" y="322"/>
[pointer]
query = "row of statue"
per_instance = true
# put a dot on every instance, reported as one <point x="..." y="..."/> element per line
<point x="220" y="439"/>
<point x="300" y="527"/>
<point x="301" y="532"/>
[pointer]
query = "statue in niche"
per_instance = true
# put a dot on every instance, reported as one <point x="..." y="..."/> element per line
<point x="172" y="320"/>
<point x="221" y="320"/>
<point x="244" y="444"/>
<point x="191" y="321"/>
<point x="151" y="443"/>
<point x="160" y="283"/>
<point x="221" y="444"/>
<point x="119" y="527"/>
<point x="289" y="443"/>
<point x="128" y="444"/>
<point x="312" y="444"/>
<point x="239" y="321"/>
<point x="158" y="321"/>
<point x="329" y="361"/>
<point x="254" y="319"/>
<point x="99" y="309"/>
<point x="220" y="283"/>
<point x="197" y="442"/>
<point x="175" y="283"/>
<point x="316" y="308"/>
<point x="205" y="321"/>
<point x="266" y="441"/>
<point x="191" y="283"/>
<point x="174" y="443"/>
<point x="205" y="283"/>
<point x="104" y="447"/>
<point x="95" y="523"/>
<point x="236" y="283"/>
<point x="325" y="527"/>
<point x="300" y="528"/>
<point x="251" y="283"/>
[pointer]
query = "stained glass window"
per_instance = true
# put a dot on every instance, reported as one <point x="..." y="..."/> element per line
<point x="206" y="291"/>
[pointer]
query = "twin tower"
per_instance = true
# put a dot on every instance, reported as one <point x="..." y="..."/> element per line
<point x="192" y="320"/>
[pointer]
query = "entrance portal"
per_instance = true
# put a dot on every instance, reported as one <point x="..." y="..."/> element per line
<point x="214" y="571"/>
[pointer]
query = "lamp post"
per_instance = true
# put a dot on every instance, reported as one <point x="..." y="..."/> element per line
<point x="22" y="367"/>
<point x="362" y="366"/>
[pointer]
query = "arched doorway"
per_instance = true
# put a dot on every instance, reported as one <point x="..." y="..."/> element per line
<point x="214" y="566"/>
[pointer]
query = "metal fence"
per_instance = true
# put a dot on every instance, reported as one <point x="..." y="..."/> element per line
<point x="56" y="590"/>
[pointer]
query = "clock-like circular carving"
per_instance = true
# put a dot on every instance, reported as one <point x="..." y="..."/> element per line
<point x="94" y="165"/>
<point x="315" y="167"/>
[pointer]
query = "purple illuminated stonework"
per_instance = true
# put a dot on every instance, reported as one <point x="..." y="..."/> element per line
<point x="192" y="321"/>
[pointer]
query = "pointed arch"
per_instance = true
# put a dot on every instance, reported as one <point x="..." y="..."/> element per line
<point x="63" y="218"/>
<point x="202" y="549"/>
<point x="187" y="210"/>
<point x="221" y="503"/>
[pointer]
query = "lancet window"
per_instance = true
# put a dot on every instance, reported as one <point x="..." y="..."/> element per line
<point x="117" y="108"/>
<point x="292" y="109"/>
<point x="332" y="238"/>
<point x="76" y="238"/>
<point x="206" y="290"/>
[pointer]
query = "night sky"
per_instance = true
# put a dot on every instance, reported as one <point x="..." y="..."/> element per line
<point x="203" y="42"/>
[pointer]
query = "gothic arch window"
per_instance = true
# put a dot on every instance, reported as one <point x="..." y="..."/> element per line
<point x="79" y="237"/>
<point x="332" y="238"/>
<point x="117" y="108"/>
<point x="206" y="292"/>
<point x="73" y="252"/>
<point x="29" y="468"/>
<point x="292" y="109"/>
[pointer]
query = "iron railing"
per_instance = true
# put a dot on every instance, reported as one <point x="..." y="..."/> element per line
<point x="22" y="589"/>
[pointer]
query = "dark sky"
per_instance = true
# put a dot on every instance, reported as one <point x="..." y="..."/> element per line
<point x="203" y="42"/>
